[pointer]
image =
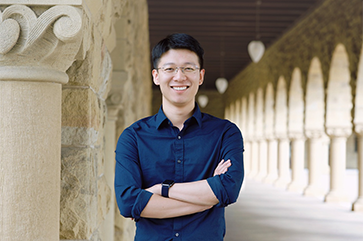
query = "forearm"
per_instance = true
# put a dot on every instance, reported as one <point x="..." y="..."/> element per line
<point x="198" y="192"/>
<point x="161" y="207"/>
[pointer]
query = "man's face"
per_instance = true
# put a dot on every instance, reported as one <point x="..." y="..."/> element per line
<point x="178" y="89"/>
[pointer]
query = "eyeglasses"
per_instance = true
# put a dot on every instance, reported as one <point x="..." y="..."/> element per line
<point x="172" y="70"/>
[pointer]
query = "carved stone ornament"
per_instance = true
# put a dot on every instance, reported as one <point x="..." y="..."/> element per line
<point x="339" y="132"/>
<point x="39" y="48"/>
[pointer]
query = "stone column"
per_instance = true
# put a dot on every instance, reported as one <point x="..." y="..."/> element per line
<point x="254" y="159"/>
<point x="283" y="163"/>
<point x="297" y="163"/>
<point x="35" y="52"/>
<point x="338" y="122"/>
<point x="314" y="188"/>
<point x="338" y="149"/>
<point x="113" y="108"/>
<point x="262" y="167"/>
<point x="271" y="161"/>
<point x="358" y="204"/>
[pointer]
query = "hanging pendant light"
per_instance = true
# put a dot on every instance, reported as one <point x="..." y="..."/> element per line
<point x="222" y="85"/>
<point x="256" y="48"/>
<point x="203" y="100"/>
<point x="221" y="82"/>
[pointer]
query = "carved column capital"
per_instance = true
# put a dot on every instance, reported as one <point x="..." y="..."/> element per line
<point x="339" y="132"/>
<point x="114" y="105"/>
<point x="38" y="47"/>
<point x="314" y="134"/>
<point x="359" y="129"/>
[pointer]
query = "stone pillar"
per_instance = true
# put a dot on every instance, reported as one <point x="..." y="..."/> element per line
<point x="338" y="122"/>
<point x="113" y="108"/>
<point x="283" y="163"/>
<point x="247" y="156"/>
<point x="35" y="52"/>
<point x="338" y="149"/>
<point x="358" y="122"/>
<point x="314" y="188"/>
<point x="358" y="204"/>
<point x="272" y="161"/>
<point x="254" y="159"/>
<point x="297" y="164"/>
<point x="262" y="167"/>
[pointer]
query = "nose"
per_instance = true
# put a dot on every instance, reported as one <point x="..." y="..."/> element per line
<point x="179" y="68"/>
<point x="179" y="74"/>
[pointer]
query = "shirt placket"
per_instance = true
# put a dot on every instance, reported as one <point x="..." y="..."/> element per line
<point x="179" y="177"/>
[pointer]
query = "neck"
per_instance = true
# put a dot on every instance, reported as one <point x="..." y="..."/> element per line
<point x="178" y="114"/>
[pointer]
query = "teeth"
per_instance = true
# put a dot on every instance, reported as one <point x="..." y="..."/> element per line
<point x="180" y="88"/>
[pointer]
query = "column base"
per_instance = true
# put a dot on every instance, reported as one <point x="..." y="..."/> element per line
<point x="270" y="178"/>
<point x="252" y="174"/>
<point x="281" y="182"/>
<point x="314" y="191"/>
<point x="358" y="205"/>
<point x="336" y="197"/>
<point x="260" y="176"/>
<point x="295" y="187"/>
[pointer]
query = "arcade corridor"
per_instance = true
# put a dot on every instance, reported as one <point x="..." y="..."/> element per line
<point x="266" y="213"/>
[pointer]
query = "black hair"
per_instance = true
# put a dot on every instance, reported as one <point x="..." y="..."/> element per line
<point x="177" y="41"/>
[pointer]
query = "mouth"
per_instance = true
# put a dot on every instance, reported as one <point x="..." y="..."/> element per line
<point x="179" y="88"/>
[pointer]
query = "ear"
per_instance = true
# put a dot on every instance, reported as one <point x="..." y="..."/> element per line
<point x="155" y="77"/>
<point x="201" y="76"/>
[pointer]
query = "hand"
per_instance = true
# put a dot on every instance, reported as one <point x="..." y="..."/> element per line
<point x="222" y="167"/>
<point x="156" y="189"/>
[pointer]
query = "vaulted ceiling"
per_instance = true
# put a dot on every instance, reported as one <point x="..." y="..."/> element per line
<point x="224" y="28"/>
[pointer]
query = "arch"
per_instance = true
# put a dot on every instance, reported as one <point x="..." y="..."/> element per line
<point x="259" y="114"/>
<point x="296" y="105"/>
<point x="281" y="109"/>
<point x="314" y="109"/>
<point x="269" y="111"/>
<point x="358" y="114"/>
<point x="339" y="97"/>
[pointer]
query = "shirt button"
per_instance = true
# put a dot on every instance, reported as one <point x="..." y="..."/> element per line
<point x="179" y="137"/>
<point x="179" y="161"/>
<point x="177" y="235"/>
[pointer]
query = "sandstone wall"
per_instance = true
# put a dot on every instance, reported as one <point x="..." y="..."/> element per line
<point x="113" y="75"/>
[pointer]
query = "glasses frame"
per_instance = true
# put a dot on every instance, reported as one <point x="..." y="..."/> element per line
<point x="177" y="69"/>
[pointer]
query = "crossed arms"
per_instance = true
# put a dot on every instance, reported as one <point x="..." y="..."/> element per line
<point x="184" y="198"/>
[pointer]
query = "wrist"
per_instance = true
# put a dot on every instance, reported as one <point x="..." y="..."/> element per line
<point x="165" y="187"/>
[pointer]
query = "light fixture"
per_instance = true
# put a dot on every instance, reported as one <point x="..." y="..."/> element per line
<point x="222" y="83"/>
<point x="203" y="100"/>
<point x="256" y="48"/>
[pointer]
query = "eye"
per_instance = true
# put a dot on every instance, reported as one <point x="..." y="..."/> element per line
<point x="169" y="69"/>
<point x="189" y="69"/>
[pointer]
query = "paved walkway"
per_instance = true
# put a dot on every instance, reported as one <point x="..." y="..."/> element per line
<point x="266" y="213"/>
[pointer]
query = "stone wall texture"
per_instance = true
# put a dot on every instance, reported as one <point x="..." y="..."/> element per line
<point x="111" y="72"/>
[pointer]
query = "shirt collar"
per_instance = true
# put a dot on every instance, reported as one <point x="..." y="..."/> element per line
<point x="161" y="117"/>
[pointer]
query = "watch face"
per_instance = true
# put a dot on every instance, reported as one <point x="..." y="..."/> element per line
<point x="168" y="182"/>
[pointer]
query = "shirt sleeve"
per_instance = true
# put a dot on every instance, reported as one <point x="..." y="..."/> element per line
<point x="226" y="187"/>
<point x="131" y="198"/>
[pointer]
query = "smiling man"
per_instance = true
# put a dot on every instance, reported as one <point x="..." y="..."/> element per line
<point x="176" y="171"/>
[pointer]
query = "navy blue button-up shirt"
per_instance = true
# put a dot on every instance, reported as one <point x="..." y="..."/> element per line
<point x="153" y="150"/>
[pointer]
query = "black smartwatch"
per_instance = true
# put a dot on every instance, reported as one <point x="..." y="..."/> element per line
<point x="165" y="187"/>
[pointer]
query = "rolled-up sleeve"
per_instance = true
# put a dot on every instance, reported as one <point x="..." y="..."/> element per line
<point x="131" y="198"/>
<point x="226" y="187"/>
